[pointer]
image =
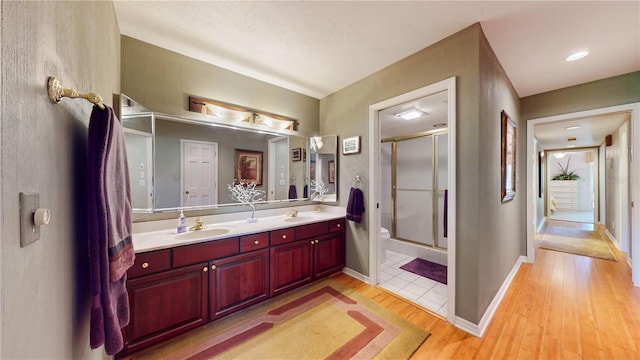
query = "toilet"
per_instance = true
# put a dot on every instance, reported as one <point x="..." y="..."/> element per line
<point x="384" y="243"/>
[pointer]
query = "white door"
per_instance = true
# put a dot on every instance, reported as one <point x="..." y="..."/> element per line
<point x="199" y="183"/>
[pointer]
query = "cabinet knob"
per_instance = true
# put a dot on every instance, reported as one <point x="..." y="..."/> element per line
<point x="284" y="236"/>
<point x="317" y="241"/>
<point x="145" y="265"/>
<point x="205" y="269"/>
<point x="256" y="242"/>
<point x="311" y="242"/>
<point x="338" y="226"/>
<point x="213" y="267"/>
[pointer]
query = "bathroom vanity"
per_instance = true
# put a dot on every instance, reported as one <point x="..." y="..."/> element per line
<point x="180" y="283"/>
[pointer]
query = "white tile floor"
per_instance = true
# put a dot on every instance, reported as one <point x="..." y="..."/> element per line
<point x="425" y="292"/>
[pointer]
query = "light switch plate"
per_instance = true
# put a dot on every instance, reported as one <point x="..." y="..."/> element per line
<point x="29" y="231"/>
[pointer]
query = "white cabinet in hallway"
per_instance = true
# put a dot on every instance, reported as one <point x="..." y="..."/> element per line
<point x="566" y="194"/>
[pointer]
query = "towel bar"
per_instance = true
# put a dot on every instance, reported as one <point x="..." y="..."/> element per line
<point x="57" y="92"/>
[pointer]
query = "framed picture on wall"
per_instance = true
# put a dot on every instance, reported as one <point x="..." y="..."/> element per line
<point x="508" y="158"/>
<point x="296" y="154"/>
<point x="249" y="166"/>
<point x="351" y="145"/>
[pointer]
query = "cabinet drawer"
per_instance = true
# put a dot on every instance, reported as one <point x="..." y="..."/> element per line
<point x="336" y="225"/>
<point x="215" y="249"/>
<point x="150" y="263"/>
<point x="282" y="236"/>
<point x="254" y="242"/>
<point x="311" y="230"/>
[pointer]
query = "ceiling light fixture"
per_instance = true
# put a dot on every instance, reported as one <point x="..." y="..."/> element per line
<point x="559" y="155"/>
<point x="410" y="114"/>
<point x="577" y="56"/>
<point x="573" y="127"/>
<point x="571" y="146"/>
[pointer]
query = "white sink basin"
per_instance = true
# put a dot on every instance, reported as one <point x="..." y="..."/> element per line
<point x="203" y="234"/>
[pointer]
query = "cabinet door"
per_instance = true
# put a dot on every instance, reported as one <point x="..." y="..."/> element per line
<point x="238" y="281"/>
<point x="328" y="254"/>
<point x="165" y="304"/>
<point x="290" y="266"/>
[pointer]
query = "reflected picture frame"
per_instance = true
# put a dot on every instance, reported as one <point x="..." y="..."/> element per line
<point x="296" y="154"/>
<point x="509" y="136"/>
<point x="351" y="145"/>
<point x="248" y="166"/>
<point x="332" y="172"/>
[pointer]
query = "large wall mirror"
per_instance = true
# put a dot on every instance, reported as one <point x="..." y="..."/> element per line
<point x="183" y="163"/>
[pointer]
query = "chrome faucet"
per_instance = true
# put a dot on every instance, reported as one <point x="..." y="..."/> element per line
<point x="198" y="226"/>
<point x="293" y="212"/>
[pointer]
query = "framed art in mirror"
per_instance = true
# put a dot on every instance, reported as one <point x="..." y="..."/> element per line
<point x="508" y="158"/>
<point x="249" y="166"/>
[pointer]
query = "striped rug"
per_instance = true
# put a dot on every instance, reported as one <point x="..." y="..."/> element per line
<point x="321" y="321"/>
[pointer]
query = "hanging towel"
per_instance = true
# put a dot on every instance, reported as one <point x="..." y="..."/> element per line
<point x="444" y="217"/>
<point x="305" y="191"/>
<point x="293" y="193"/>
<point x="110" y="246"/>
<point x="355" y="206"/>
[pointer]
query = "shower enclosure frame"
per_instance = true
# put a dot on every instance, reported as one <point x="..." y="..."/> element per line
<point x="435" y="213"/>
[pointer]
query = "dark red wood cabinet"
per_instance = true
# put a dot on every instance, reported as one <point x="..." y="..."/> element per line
<point x="174" y="290"/>
<point x="166" y="304"/>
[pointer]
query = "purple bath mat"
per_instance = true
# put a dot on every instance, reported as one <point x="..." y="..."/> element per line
<point x="427" y="269"/>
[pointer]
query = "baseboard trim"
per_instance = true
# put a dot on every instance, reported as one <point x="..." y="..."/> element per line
<point x="479" y="329"/>
<point x="357" y="275"/>
<point x="613" y="239"/>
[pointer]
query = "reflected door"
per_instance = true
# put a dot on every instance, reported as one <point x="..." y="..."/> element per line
<point x="199" y="173"/>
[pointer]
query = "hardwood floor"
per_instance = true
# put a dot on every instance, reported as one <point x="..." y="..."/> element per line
<point x="563" y="306"/>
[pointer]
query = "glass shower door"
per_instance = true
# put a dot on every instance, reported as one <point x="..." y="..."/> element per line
<point x="414" y="190"/>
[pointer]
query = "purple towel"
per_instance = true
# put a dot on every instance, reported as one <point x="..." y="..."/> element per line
<point x="110" y="247"/>
<point x="293" y="193"/>
<point x="355" y="206"/>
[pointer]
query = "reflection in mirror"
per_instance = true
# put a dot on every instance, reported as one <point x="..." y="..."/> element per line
<point x="323" y="168"/>
<point x="192" y="162"/>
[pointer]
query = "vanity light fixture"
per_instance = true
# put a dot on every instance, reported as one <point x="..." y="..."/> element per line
<point x="577" y="56"/>
<point x="411" y="114"/>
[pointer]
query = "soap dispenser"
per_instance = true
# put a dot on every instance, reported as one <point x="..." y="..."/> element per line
<point x="181" y="223"/>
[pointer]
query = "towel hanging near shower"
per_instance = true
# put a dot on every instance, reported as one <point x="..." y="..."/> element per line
<point x="355" y="206"/>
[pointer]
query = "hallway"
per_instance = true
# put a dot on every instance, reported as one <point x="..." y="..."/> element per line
<point x="562" y="306"/>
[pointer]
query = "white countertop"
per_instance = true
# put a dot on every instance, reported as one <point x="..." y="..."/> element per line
<point x="155" y="235"/>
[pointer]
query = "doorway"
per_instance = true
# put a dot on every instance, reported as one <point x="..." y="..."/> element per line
<point x="199" y="168"/>
<point x="445" y="90"/>
<point x="627" y="187"/>
<point x="572" y="178"/>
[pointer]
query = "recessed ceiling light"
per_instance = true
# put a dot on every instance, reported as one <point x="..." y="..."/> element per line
<point x="410" y="114"/>
<point x="570" y="146"/>
<point x="573" y="127"/>
<point x="571" y="139"/>
<point x="559" y="155"/>
<point x="577" y="56"/>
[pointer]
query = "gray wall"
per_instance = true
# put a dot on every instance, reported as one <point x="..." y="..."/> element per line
<point x="45" y="294"/>
<point x="490" y="236"/>
<point x="162" y="81"/>
<point x="617" y="90"/>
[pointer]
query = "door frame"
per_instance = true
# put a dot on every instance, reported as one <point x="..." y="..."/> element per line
<point x="272" y="175"/>
<point x="149" y="164"/>
<point x="214" y="165"/>
<point x="448" y="85"/>
<point x="633" y="180"/>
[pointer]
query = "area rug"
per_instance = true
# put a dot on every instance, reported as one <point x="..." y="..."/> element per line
<point x="576" y="241"/>
<point x="427" y="269"/>
<point x="323" y="321"/>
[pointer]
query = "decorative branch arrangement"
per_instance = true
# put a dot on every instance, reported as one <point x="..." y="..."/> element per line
<point x="564" y="173"/>
<point x="246" y="194"/>
<point x="318" y="187"/>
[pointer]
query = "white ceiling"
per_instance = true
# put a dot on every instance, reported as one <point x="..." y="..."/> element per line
<point x="318" y="47"/>
<point x="591" y="131"/>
